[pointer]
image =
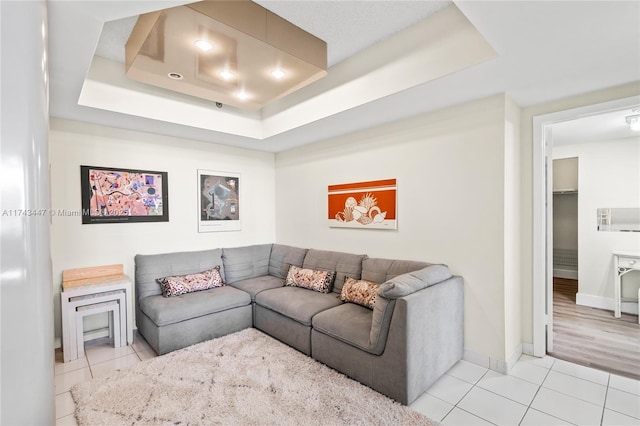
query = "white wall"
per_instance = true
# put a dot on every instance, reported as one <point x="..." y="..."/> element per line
<point x="75" y="245"/>
<point x="608" y="176"/>
<point x="450" y="171"/>
<point x="512" y="236"/>
<point x="526" y="184"/>
<point x="26" y="356"/>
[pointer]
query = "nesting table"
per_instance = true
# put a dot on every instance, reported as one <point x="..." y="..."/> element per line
<point x="89" y="291"/>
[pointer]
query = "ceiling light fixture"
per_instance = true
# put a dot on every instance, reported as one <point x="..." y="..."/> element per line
<point x="278" y="74"/>
<point x="203" y="45"/>
<point x="175" y="76"/>
<point x="227" y="75"/>
<point x="634" y="122"/>
<point x="242" y="95"/>
<point x="246" y="39"/>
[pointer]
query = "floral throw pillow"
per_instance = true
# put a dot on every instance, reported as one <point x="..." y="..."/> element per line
<point x="181" y="284"/>
<point x="359" y="291"/>
<point x="319" y="281"/>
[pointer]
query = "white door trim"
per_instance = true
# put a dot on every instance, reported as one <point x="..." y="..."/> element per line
<point x="542" y="226"/>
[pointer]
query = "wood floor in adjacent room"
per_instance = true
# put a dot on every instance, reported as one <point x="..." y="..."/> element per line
<point x="593" y="337"/>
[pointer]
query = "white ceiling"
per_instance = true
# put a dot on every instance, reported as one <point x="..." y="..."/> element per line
<point x="609" y="125"/>
<point x="545" y="51"/>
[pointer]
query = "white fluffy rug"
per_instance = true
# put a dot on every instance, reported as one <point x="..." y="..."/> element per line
<point x="245" y="378"/>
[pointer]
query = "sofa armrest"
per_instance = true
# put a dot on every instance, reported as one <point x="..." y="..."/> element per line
<point x="406" y="284"/>
<point x="426" y="338"/>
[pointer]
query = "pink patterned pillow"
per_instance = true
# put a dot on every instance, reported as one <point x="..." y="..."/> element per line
<point x="319" y="281"/>
<point x="359" y="291"/>
<point x="181" y="284"/>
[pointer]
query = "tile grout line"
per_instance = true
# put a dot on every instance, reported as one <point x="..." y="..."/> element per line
<point x="473" y="385"/>
<point x="580" y="399"/>
<point x="536" y="394"/>
<point x="461" y="398"/>
<point x="604" y="404"/>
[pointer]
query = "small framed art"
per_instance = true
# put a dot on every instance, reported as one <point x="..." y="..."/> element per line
<point x="218" y="201"/>
<point x="363" y="205"/>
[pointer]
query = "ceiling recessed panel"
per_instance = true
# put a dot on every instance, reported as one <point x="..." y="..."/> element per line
<point x="233" y="52"/>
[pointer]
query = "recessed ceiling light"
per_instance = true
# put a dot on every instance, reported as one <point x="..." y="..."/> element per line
<point x="203" y="45"/>
<point x="242" y="95"/>
<point x="278" y="74"/>
<point x="634" y="122"/>
<point x="227" y="75"/>
<point x="175" y="76"/>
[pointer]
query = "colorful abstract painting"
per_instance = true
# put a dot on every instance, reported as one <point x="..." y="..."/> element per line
<point x="365" y="205"/>
<point x="112" y="195"/>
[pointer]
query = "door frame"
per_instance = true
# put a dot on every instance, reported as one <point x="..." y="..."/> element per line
<point x="543" y="214"/>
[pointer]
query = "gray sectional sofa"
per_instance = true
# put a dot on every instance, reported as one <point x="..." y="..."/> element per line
<point x="413" y="335"/>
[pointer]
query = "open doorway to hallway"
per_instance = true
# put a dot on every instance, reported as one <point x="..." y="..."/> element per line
<point x="595" y="161"/>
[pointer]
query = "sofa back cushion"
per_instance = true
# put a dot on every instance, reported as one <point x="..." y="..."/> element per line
<point x="405" y="284"/>
<point x="284" y="256"/>
<point x="344" y="264"/>
<point x="151" y="267"/>
<point x="241" y="263"/>
<point x="381" y="270"/>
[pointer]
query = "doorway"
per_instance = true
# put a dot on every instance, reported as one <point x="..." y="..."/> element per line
<point x="543" y="214"/>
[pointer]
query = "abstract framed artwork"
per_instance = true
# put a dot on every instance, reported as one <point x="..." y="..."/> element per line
<point x="363" y="205"/>
<point x="114" y="195"/>
<point x="218" y="201"/>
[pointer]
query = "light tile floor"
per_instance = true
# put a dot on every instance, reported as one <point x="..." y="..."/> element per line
<point x="537" y="391"/>
<point x="100" y="358"/>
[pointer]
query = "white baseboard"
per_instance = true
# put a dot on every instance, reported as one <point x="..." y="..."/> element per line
<point x="605" y="303"/>
<point x="565" y="273"/>
<point x="477" y="358"/>
<point x="499" y="365"/>
<point x="515" y="356"/>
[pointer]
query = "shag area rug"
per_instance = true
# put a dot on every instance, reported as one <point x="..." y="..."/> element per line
<point x="245" y="378"/>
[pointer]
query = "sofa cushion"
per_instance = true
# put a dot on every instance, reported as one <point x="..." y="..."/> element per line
<point x="164" y="311"/>
<point x="241" y="263"/>
<point x="405" y="284"/>
<point x="151" y="267"/>
<point x="381" y="270"/>
<point x="182" y="284"/>
<point x="348" y="322"/>
<point x="358" y="326"/>
<point x="359" y="291"/>
<point x="255" y="285"/>
<point x="284" y="256"/>
<point x="297" y="303"/>
<point x="320" y="281"/>
<point x="345" y="264"/>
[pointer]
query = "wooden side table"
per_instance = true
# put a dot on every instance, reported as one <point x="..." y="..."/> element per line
<point x="624" y="262"/>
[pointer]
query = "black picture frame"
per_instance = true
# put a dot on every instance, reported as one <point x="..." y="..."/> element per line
<point x="117" y="195"/>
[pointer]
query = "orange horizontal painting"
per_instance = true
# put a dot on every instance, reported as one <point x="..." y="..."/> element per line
<point x="367" y="205"/>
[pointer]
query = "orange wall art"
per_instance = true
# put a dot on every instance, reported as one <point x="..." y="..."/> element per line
<point x="366" y="205"/>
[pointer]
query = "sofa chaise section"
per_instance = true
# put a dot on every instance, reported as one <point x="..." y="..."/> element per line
<point x="176" y="322"/>
<point x="413" y="335"/>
